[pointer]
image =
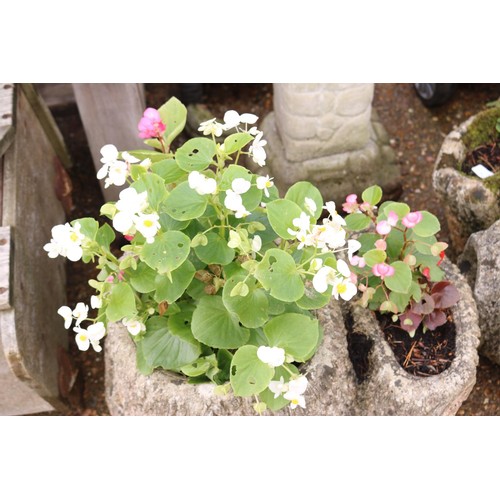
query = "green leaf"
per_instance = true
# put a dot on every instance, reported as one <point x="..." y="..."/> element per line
<point x="143" y="278"/>
<point x="422" y="245"/>
<point x="88" y="227"/>
<point x="401" y="209"/>
<point x="428" y="226"/>
<point x="185" y="203"/>
<point x="313" y="299"/>
<point x="215" y="326"/>
<point x="302" y="190"/>
<point x="200" y="366"/>
<point x="216" y="251"/>
<point x="252" y="309"/>
<point x="155" y="187"/>
<point x="373" y="257"/>
<point x="142" y="365"/>
<point x="278" y="273"/>
<point x="237" y="141"/>
<point x="400" y="299"/>
<point x="266" y="396"/>
<point x="109" y="210"/>
<point x="172" y="290"/>
<point x="401" y="280"/>
<point x="168" y="251"/>
<point x="281" y="214"/>
<point x="395" y="241"/>
<point x="367" y="241"/>
<point x="167" y="223"/>
<point x="168" y="170"/>
<point x="154" y="156"/>
<point x="121" y="303"/>
<point x="252" y="198"/>
<point x="195" y="154"/>
<point x="105" y="236"/>
<point x="173" y="114"/>
<point x="249" y="375"/>
<point x="296" y="333"/>
<point x="357" y="222"/>
<point x="161" y="347"/>
<point x="372" y="195"/>
<point x="234" y="172"/>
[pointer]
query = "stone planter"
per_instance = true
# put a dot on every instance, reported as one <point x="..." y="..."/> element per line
<point x="333" y="389"/>
<point x="470" y="204"/>
<point x="480" y="263"/>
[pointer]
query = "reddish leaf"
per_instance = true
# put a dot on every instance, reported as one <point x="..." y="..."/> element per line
<point x="445" y="294"/>
<point x="435" y="319"/>
<point x="410" y="321"/>
<point x="425" y="306"/>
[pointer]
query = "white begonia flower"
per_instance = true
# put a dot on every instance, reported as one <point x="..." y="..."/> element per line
<point x="352" y="247"/>
<point x="66" y="241"/>
<point x="90" y="336"/>
<point x="345" y="288"/>
<point x="131" y="201"/>
<point x="265" y="182"/>
<point x="130" y="159"/>
<point x="242" y="212"/>
<point x="240" y="185"/>
<point x="123" y="222"/>
<point x="324" y="277"/>
<point x="134" y="326"/>
<point x="95" y="302"/>
<point x="257" y="151"/>
<point x="148" y="225"/>
<point x="201" y="183"/>
<point x="296" y="389"/>
<point x="117" y="174"/>
<point x="256" y="243"/>
<point x="67" y="314"/>
<point x="273" y="356"/>
<point x="329" y="234"/>
<point x="234" y="239"/>
<point x="278" y="387"/>
<point x="254" y="131"/>
<point x="109" y="156"/>
<point x="146" y="163"/>
<point x="315" y="265"/>
<point x="211" y="127"/>
<point x="343" y="268"/>
<point x="232" y="119"/>
<point x="80" y="313"/>
<point x="310" y="205"/>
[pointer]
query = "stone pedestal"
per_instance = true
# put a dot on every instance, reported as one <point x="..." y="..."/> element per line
<point x="328" y="135"/>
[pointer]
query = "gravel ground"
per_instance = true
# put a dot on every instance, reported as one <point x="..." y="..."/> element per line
<point x="416" y="135"/>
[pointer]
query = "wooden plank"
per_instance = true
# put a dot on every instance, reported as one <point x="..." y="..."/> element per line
<point x="56" y="94"/>
<point x="110" y="113"/>
<point x="7" y="115"/>
<point x="31" y="331"/>
<point x="48" y="123"/>
<point x="5" y="261"/>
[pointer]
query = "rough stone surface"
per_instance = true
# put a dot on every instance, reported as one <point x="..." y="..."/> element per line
<point x="321" y="119"/>
<point x="333" y="389"/>
<point x="480" y="262"/>
<point x="390" y="390"/>
<point x="128" y="392"/>
<point x="339" y="174"/>
<point x="470" y="206"/>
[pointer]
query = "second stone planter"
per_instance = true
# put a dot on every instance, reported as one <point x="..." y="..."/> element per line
<point x="333" y="386"/>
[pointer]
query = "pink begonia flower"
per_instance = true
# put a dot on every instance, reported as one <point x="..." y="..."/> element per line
<point x="357" y="261"/>
<point x="150" y="125"/>
<point x="364" y="207"/>
<point x="129" y="237"/>
<point x="351" y="204"/>
<point x="392" y="218"/>
<point x="383" y="227"/>
<point x="412" y="219"/>
<point x="380" y="245"/>
<point x="382" y="270"/>
<point x="110" y="279"/>
<point x="354" y="278"/>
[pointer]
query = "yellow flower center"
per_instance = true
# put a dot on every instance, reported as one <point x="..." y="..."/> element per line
<point x="341" y="287"/>
<point x="295" y="401"/>
<point x="148" y="223"/>
<point x="269" y="184"/>
<point x="83" y="338"/>
<point x="74" y="237"/>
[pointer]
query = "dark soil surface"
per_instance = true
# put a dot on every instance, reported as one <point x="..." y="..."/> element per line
<point x="487" y="155"/>
<point x="416" y="136"/>
<point x="426" y="353"/>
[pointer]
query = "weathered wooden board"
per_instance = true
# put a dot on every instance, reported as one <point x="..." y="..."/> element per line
<point x="31" y="331"/>
<point x="7" y="103"/>
<point x="5" y="251"/>
<point x="110" y="113"/>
